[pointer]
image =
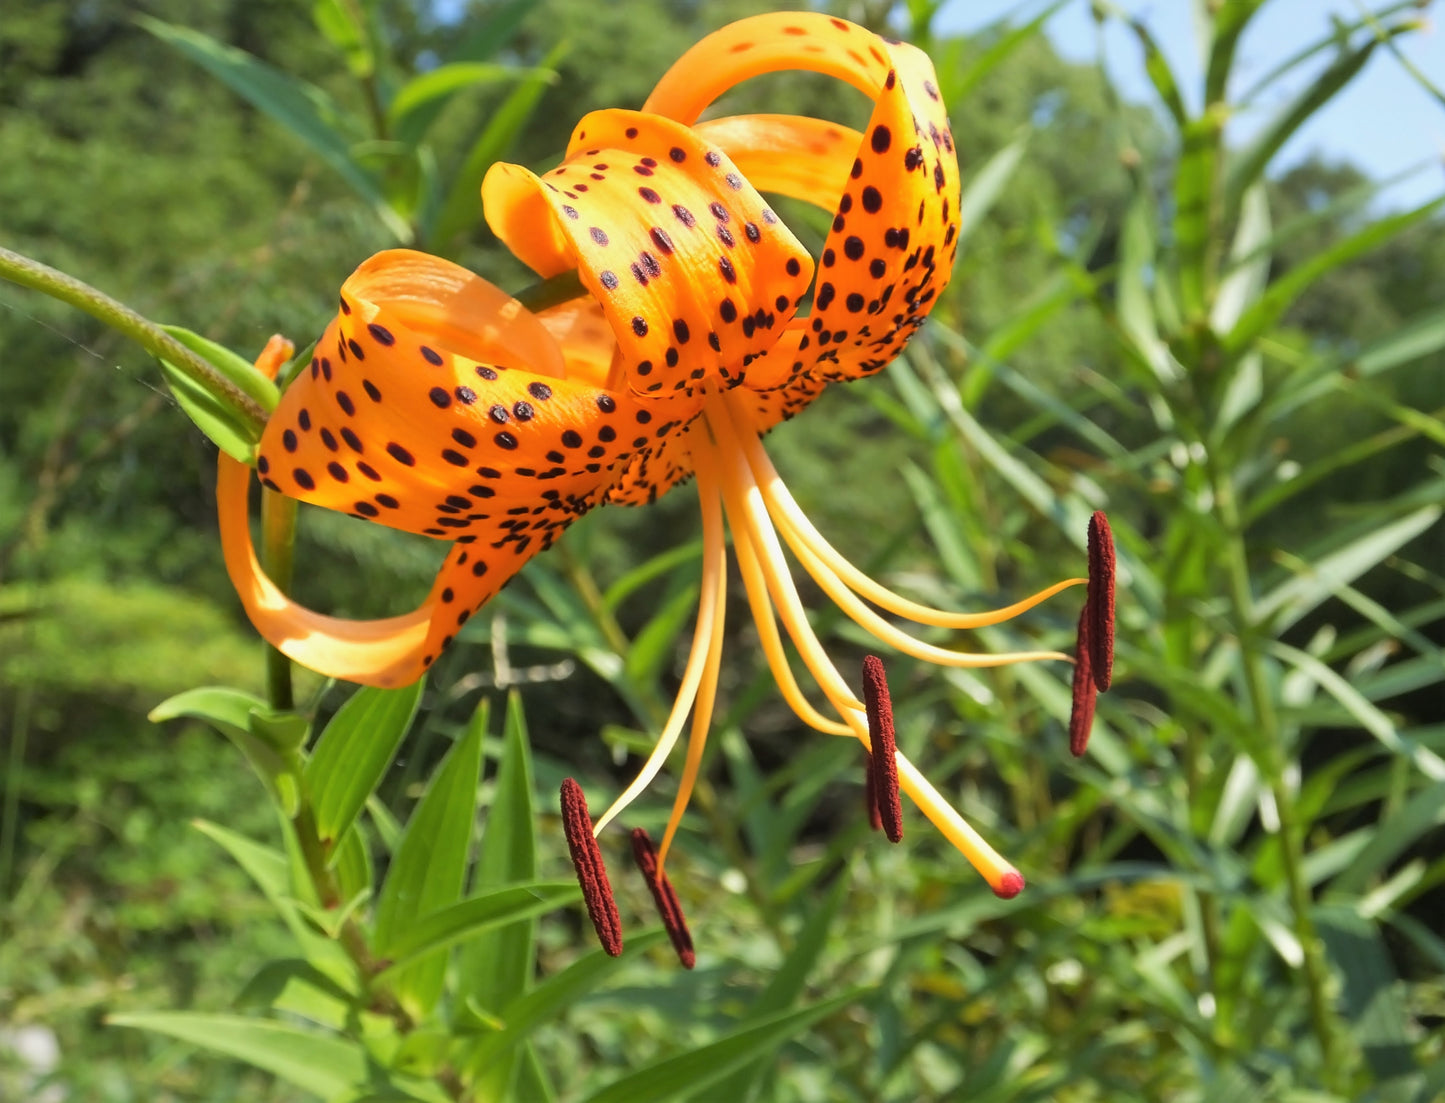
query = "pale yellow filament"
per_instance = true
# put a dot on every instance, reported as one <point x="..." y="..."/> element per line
<point x="746" y="513"/>
<point x="712" y="530"/>
<point x="799" y="531"/>
<point x="714" y="580"/>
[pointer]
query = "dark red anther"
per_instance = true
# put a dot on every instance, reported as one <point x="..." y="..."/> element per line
<point x="870" y="795"/>
<point x="664" y="897"/>
<point x="1100" y="602"/>
<point x="591" y="873"/>
<point x="883" y="762"/>
<point x="1081" y="712"/>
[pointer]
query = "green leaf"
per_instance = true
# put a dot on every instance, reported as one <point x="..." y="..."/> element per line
<point x="315" y="1062"/>
<point x="684" y="1076"/>
<point x="652" y="646"/>
<point x="475" y="916"/>
<point x="957" y="88"/>
<point x="420" y="100"/>
<point x="353" y="865"/>
<point x="1281" y="294"/>
<point x="1160" y="74"/>
<point x="1370" y="996"/>
<point x="523" y="1014"/>
<point x="660" y="564"/>
<point x="212" y="414"/>
<point x="233" y="366"/>
<point x="430" y="865"/>
<point x="298" y="987"/>
<point x="787" y="984"/>
<point x="302" y="108"/>
<point x="987" y="184"/>
<point x="354" y="752"/>
<point x="494" y="967"/>
<point x="341" y="24"/>
<point x="1195" y="211"/>
<point x="1246" y="280"/>
<point x="1392" y="836"/>
<point x="462" y="207"/>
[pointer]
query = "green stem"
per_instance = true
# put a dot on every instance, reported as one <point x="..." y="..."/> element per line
<point x="160" y="344"/>
<point x="1291" y="833"/>
<point x="553" y="291"/>
<point x="278" y="543"/>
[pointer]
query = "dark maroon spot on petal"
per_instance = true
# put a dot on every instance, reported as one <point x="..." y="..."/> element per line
<point x="639" y="326"/>
<point x="677" y="155"/>
<point x="679" y="330"/>
<point x="345" y="306"/>
<point x="853" y="248"/>
<point x="465" y="395"/>
<point x="854" y="302"/>
<point x="728" y="311"/>
<point x="356" y="350"/>
<point x="369" y="471"/>
<point x="453" y="457"/>
<point x="794" y="268"/>
<point x="632" y="132"/>
<point x="505" y="440"/>
<point x="882" y="138"/>
<point x="344" y="401"/>
<point x="587" y="861"/>
<point x="608" y="280"/>
<point x="486" y="372"/>
<point x="607" y="434"/>
<point x="649" y="195"/>
<point x="338" y="472"/>
<point x="572" y="439"/>
<point x="304" y="479"/>
<point x="570" y="212"/>
<point x="877" y="268"/>
<point x="352" y="440"/>
<point x="288" y="440"/>
<point x="366" y="509"/>
<point x="725" y="236"/>
<point x="754" y="234"/>
<point x="661" y="240"/>
<point x="440" y="399"/>
<point x="725" y="266"/>
<point x="465" y="439"/>
<point x="598" y="235"/>
<point x="431" y="356"/>
<point x="381" y="333"/>
<point x="734" y="181"/>
<point x="683" y="215"/>
<point x="400" y="454"/>
<point x="303" y="419"/>
<point x="329" y="439"/>
<point x="872" y="199"/>
<point x="539" y="391"/>
<point x="522" y="411"/>
<point x="606" y="403"/>
<point x="719" y="212"/>
<point x="712" y="158"/>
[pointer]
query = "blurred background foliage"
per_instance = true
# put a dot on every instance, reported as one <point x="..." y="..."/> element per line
<point x="1238" y="895"/>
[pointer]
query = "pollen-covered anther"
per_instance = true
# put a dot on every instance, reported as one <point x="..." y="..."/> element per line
<point x="870" y="794"/>
<point x="1081" y="711"/>
<point x="883" y="760"/>
<point x="591" y="872"/>
<point x="664" y="897"/>
<point x="1100" y="602"/>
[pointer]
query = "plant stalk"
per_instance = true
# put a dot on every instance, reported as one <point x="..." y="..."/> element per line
<point x="278" y="545"/>
<point x="160" y="344"/>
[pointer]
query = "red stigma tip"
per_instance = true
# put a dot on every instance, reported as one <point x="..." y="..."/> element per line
<point x="882" y="763"/>
<point x="1081" y="711"/>
<point x="591" y="873"/>
<point x="1010" y="885"/>
<point x="1100" y="602"/>
<point x="664" y="897"/>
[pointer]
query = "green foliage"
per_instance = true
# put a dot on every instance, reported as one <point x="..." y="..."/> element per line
<point x="1235" y="895"/>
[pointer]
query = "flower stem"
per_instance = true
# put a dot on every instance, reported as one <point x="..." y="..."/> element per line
<point x="278" y="542"/>
<point x="160" y="344"/>
<point x="1291" y="833"/>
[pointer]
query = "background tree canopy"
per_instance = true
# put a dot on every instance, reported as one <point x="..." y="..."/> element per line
<point x="1212" y="912"/>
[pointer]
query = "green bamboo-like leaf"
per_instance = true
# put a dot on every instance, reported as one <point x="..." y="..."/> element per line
<point x="685" y="1076"/>
<point x="233" y="366"/>
<point x="302" y="108"/>
<point x="957" y="88"/>
<point x="1229" y="22"/>
<point x="354" y="871"/>
<point x="1195" y="210"/>
<point x="1391" y="837"/>
<point x="787" y="984"/>
<point x="1370" y="997"/>
<point x="660" y="564"/>
<point x="494" y="967"/>
<point x="212" y="415"/>
<point x="1281" y="294"/>
<point x="987" y="184"/>
<point x="343" y="25"/>
<point x="1156" y="65"/>
<point x="652" y="646"/>
<point x="475" y="916"/>
<point x="1249" y="166"/>
<point x="524" y="1013"/>
<point x="430" y="865"/>
<point x="1246" y="279"/>
<point x="354" y="752"/>
<point x="298" y="987"/>
<point x="1138" y="253"/>
<point x="418" y="102"/>
<point x="236" y="715"/>
<point x="462" y="206"/>
<point x="320" y="1063"/>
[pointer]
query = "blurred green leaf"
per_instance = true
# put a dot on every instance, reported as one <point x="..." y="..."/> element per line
<point x="321" y="1063"/>
<point x="987" y="184"/>
<point x="429" y="866"/>
<point x="354" y="752"/>
<point x="475" y="916"/>
<point x="418" y="101"/>
<point x="344" y="25"/>
<point x="683" y="1077"/>
<point x="1370" y="998"/>
<point x="302" y="108"/>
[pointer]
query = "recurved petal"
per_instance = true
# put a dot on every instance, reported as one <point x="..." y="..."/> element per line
<point x="693" y="271"/>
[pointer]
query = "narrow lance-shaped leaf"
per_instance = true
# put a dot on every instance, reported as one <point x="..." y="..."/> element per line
<point x="430" y="864"/>
<point x="302" y="108"/>
<point x="354" y="752"/>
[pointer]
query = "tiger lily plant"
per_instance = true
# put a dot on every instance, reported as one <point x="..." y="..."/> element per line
<point x="437" y="404"/>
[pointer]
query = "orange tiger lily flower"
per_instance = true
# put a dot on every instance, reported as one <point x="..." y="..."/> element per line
<point x="440" y="405"/>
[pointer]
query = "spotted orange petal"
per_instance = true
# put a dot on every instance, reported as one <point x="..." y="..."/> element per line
<point x="417" y="413"/>
<point x="693" y="271"/>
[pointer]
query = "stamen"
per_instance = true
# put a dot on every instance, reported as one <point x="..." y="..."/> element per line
<point x="664" y="897"/>
<point x="1081" y="712"/>
<point x="591" y="873"/>
<point x="870" y="793"/>
<point x="1100" y="602"/>
<point x="883" y="759"/>
<point x="1010" y="885"/>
